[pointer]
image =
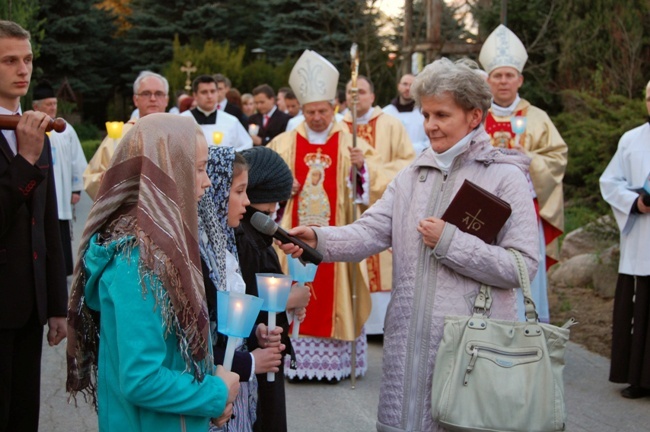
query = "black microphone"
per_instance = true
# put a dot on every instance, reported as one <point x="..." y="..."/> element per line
<point x="265" y="225"/>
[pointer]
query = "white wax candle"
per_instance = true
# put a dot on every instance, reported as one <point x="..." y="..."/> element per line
<point x="273" y="290"/>
<point x="230" y="353"/>
<point x="270" y="376"/>
<point x="236" y="318"/>
<point x="296" y="328"/>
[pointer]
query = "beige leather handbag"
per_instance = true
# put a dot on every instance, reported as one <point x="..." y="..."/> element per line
<point x="494" y="375"/>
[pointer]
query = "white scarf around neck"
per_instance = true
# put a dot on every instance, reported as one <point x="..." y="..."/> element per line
<point x="505" y="111"/>
<point x="444" y="160"/>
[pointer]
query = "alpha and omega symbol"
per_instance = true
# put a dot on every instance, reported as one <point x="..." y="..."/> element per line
<point x="472" y="222"/>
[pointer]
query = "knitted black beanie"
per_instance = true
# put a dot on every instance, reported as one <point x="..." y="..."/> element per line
<point x="43" y="90"/>
<point x="269" y="177"/>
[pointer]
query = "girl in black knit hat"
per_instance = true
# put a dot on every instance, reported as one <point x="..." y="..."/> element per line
<point x="269" y="183"/>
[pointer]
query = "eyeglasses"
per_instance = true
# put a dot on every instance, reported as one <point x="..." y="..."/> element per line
<point x="148" y="94"/>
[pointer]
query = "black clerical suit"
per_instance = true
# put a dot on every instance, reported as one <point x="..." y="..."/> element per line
<point x="32" y="281"/>
<point x="276" y="125"/>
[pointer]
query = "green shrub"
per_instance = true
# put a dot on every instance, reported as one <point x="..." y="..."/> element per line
<point x="592" y="127"/>
<point x="90" y="147"/>
<point x="88" y="131"/>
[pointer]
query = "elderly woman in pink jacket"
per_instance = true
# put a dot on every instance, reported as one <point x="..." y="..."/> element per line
<point x="437" y="268"/>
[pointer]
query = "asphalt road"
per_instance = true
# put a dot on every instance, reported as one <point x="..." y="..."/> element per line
<point x="593" y="403"/>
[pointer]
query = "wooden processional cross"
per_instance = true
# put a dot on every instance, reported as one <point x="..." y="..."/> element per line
<point x="189" y="70"/>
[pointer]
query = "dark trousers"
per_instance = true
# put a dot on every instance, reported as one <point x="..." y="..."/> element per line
<point x="631" y="331"/>
<point x="66" y="241"/>
<point x="20" y="376"/>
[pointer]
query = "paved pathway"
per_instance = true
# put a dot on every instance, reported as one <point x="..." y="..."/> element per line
<point x="594" y="404"/>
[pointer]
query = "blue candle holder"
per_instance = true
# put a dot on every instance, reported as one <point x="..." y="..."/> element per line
<point x="518" y="124"/>
<point x="236" y="313"/>
<point x="274" y="289"/>
<point x="301" y="273"/>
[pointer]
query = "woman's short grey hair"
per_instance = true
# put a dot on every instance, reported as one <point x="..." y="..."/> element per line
<point x="147" y="74"/>
<point x="468" y="89"/>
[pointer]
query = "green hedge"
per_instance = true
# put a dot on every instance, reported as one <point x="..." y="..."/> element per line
<point x="90" y="147"/>
<point x="592" y="127"/>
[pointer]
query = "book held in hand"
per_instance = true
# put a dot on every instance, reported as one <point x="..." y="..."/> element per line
<point x="476" y="211"/>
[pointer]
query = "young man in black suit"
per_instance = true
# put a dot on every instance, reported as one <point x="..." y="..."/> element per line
<point x="270" y="120"/>
<point x="223" y="86"/>
<point x="33" y="287"/>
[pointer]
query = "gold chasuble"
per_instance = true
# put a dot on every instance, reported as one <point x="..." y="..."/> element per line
<point x="98" y="164"/>
<point x="548" y="152"/>
<point x="323" y="170"/>
<point x="387" y="135"/>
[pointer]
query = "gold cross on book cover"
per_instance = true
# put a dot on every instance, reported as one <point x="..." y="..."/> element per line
<point x="476" y="211"/>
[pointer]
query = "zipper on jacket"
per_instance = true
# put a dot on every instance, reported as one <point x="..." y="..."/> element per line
<point x="475" y="354"/>
<point x="413" y="396"/>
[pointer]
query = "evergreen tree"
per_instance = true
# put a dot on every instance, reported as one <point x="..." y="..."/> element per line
<point x="153" y="25"/>
<point x="327" y="27"/>
<point x="78" y="46"/>
<point x="236" y="22"/>
<point x="605" y="47"/>
<point x="537" y="24"/>
<point x="25" y="13"/>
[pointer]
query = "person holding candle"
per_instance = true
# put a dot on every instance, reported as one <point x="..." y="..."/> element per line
<point x="209" y="115"/>
<point x="138" y="288"/>
<point x="270" y="120"/>
<point x="269" y="182"/>
<point x="221" y="210"/>
<point x="150" y="95"/>
<point x="503" y="56"/>
<point x="438" y="269"/>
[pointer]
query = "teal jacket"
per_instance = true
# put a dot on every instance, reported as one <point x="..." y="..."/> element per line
<point x="141" y="385"/>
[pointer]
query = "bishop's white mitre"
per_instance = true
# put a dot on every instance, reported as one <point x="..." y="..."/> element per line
<point x="313" y="78"/>
<point x="503" y="48"/>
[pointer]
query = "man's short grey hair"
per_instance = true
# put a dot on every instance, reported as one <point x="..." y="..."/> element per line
<point x="9" y="29"/>
<point x="221" y="78"/>
<point x="147" y="74"/>
<point x="468" y="89"/>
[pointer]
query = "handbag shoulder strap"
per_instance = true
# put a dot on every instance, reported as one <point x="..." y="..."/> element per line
<point x="483" y="300"/>
<point x="524" y="283"/>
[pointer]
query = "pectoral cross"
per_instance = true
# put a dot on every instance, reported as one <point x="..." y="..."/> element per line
<point x="188" y="69"/>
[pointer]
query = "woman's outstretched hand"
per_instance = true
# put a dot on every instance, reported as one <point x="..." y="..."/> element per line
<point x="303" y="233"/>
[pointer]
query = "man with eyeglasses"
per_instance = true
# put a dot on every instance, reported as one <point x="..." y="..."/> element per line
<point x="150" y="95"/>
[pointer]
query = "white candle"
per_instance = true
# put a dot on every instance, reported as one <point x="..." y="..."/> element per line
<point x="296" y="328"/>
<point x="253" y="129"/>
<point x="236" y="320"/>
<point x="273" y="290"/>
<point x="270" y="376"/>
<point x="230" y="352"/>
